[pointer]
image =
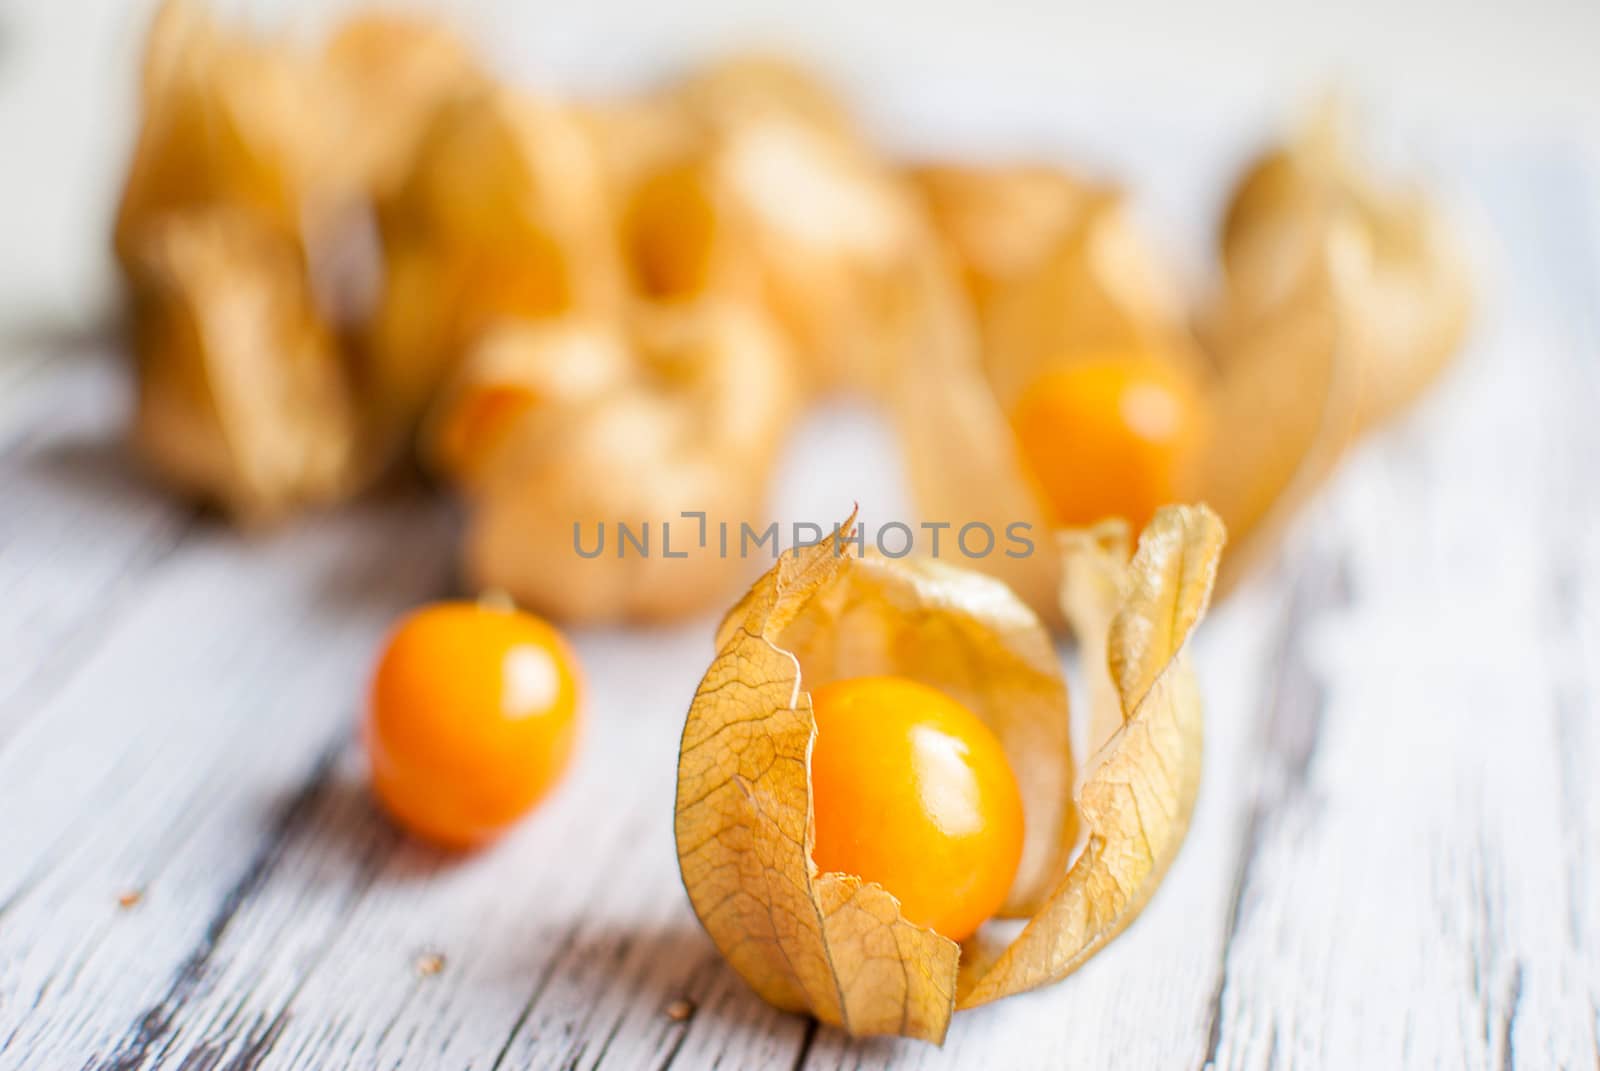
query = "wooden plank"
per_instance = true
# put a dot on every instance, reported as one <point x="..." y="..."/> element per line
<point x="80" y="527"/>
<point x="572" y="932"/>
<point x="183" y="751"/>
<point x="1404" y="897"/>
<point x="1391" y="861"/>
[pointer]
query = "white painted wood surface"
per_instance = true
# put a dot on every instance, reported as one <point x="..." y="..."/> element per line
<point x="1395" y="861"/>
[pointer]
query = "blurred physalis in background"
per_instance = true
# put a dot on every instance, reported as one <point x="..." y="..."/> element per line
<point x="239" y="236"/>
<point x="587" y="311"/>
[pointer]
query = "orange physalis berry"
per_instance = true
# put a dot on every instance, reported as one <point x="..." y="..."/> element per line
<point x="912" y="791"/>
<point x="1109" y="437"/>
<point x="472" y="718"/>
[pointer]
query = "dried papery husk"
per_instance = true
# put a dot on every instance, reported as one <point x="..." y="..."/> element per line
<point x="257" y="123"/>
<point x="835" y="946"/>
<point x="1094" y="579"/>
<point x="836" y="235"/>
<point x="228" y="120"/>
<point x="961" y="460"/>
<point x="681" y="234"/>
<point x="748" y="89"/>
<point x="243" y="396"/>
<point x="1000" y="222"/>
<point x="1084" y="290"/>
<point x="748" y="181"/>
<point x="517" y="388"/>
<point x="1399" y="277"/>
<point x="502" y="217"/>
<point x="1097" y="290"/>
<point x="1139" y="788"/>
<point x="1285" y="408"/>
<point x="384" y="76"/>
<point x="250" y="146"/>
<point x="1341" y="302"/>
<point x="677" y="409"/>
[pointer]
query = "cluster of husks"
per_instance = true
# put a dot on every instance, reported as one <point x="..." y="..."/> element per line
<point x="610" y="312"/>
<point x="575" y="312"/>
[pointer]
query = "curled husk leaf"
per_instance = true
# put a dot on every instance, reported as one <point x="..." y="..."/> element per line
<point x="961" y="459"/>
<point x="706" y="178"/>
<point x="1284" y="409"/>
<point x="564" y="432"/>
<point x="501" y="217"/>
<point x="835" y="946"/>
<point x="243" y="398"/>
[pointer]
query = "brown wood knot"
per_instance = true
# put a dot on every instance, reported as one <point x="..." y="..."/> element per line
<point x="679" y="1011"/>
<point x="430" y="964"/>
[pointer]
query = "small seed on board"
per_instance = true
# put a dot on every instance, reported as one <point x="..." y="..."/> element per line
<point x="679" y="1010"/>
<point x="430" y="964"/>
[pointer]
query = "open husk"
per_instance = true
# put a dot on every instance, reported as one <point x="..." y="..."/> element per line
<point x="564" y="432"/>
<point x="835" y="946"/>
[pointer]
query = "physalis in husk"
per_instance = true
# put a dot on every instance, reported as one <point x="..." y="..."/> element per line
<point x="948" y="709"/>
<point x="562" y="433"/>
<point x="244" y="202"/>
<point x="1080" y="392"/>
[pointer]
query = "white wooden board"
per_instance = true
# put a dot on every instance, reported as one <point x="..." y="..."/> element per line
<point x="1395" y="862"/>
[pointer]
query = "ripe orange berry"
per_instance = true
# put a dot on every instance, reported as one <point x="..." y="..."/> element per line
<point x="472" y="718"/>
<point x="1109" y="437"/>
<point x="912" y="791"/>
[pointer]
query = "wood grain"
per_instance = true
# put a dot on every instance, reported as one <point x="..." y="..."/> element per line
<point x="1393" y="862"/>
